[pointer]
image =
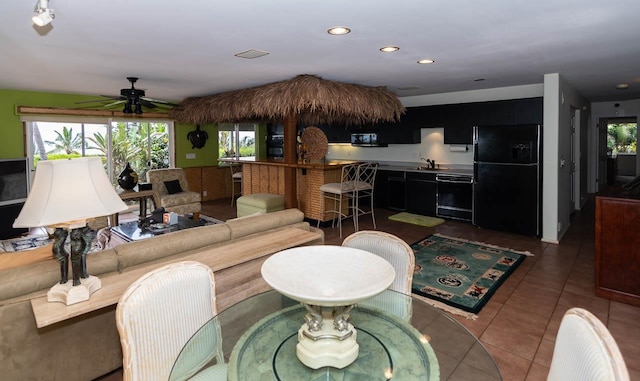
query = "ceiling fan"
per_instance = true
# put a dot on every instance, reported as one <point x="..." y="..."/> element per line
<point x="133" y="99"/>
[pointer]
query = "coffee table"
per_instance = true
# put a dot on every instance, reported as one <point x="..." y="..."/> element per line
<point x="131" y="231"/>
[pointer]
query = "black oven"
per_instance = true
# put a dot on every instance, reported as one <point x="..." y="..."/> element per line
<point x="275" y="146"/>
<point x="455" y="196"/>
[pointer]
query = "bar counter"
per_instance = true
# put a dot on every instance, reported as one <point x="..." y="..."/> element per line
<point x="267" y="176"/>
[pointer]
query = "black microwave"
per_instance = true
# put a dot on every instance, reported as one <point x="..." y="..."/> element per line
<point x="367" y="139"/>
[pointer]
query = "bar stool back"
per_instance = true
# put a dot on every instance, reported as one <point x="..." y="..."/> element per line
<point x="344" y="191"/>
<point x="366" y="178"/>
<point x="236" y="179"/>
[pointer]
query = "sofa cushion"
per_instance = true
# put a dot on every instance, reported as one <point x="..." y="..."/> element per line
<point x="181" y="198"/>
<point x="164" y="245"/>
<point x="22" y="280"/>
<point x="253" y="224"/>
<point x="173" y="186"/>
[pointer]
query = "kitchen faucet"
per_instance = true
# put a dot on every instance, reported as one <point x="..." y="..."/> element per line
<point x="430" y="163"/>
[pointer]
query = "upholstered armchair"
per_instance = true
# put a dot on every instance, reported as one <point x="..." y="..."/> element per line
<point x="173" y="188"/>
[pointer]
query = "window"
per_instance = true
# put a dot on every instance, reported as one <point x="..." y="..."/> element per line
<point x="236" y="140"/>
<point x="622" y="137"/>
<point x="144" y="144"/>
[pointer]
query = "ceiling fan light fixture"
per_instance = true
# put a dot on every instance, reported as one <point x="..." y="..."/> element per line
<point x="127" y="108"/>
<point x="44" y="14"/>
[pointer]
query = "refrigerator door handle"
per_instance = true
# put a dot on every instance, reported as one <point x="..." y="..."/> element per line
<point x="475" y="173"/>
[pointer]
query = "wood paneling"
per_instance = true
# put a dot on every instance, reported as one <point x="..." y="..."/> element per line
<point x="618" y="249"/>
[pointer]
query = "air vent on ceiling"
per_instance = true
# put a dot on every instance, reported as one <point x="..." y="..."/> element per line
<point x="251" y="54"/>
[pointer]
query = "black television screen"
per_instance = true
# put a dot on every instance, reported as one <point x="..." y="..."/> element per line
<point x="14" y="181"/>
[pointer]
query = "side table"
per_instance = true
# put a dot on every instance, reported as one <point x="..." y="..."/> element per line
<point x="142" y="197"/>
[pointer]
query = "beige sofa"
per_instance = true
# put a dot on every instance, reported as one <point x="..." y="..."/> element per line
<point x="88" y="346"/>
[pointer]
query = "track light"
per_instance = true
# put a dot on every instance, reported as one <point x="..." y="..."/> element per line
<point x="44" y="14"/>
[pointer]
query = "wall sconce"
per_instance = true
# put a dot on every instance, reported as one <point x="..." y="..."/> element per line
<point x="44" y="14"/>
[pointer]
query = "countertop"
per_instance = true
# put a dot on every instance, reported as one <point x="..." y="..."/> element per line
<point x="452" y="169"/>
<point x="449" y="169"/>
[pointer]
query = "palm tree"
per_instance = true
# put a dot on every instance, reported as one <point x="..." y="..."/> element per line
<point x="37" y="137"/>
<point x="66" y="141"/>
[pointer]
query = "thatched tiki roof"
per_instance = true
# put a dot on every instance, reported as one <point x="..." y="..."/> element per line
<point x="308" y="98"/>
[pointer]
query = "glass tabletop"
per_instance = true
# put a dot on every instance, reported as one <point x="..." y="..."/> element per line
<point x="259" y="337"/>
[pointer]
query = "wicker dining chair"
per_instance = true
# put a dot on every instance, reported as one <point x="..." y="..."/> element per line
<point x="585" y="350"/>
<point x="401" y="257"/>
<point x="157" y="315"/>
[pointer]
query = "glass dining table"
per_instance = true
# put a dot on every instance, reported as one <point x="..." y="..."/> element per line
<point x="258" y="338"/>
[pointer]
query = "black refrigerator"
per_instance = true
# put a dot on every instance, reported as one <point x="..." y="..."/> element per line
<point x="507" y="189"/>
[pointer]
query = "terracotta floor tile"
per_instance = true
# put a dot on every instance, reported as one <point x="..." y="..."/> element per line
<point x="517" y="331"/>
<point x="545" y="353"/>
<point x="537" y="372"/>
<point x="506" y="320"/>
<point x="512" y="367"/>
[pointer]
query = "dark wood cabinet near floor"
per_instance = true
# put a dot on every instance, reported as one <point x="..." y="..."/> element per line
<point x="618" y="249"/>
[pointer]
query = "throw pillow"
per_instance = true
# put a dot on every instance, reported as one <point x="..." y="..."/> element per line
<point x="173" y="186"/>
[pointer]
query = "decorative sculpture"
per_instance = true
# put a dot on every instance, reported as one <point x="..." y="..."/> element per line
<point x="197" y="137"/>
<point x="128" y="178"/>
<point x="80" y="245"/>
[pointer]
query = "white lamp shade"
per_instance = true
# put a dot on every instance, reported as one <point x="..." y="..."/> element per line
<point x="69" y="190"/>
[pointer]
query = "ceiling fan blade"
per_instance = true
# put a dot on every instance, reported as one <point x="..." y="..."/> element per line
<point x="109" y="97"/>
<point x="158" y="101"/>
<point x="115" y="103"/>
<point x="147" y="104"/>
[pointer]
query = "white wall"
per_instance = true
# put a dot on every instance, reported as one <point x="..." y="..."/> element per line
<point x="559" y="99"/>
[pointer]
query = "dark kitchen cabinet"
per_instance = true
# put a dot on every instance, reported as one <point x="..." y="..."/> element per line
<point x="381" y="189"/>
<point x="458" y="134"/>
<point x="421" y="193"/>
<point x="458" y="119"/>
<point x="336" y="134"/>
<point x="396" y="190"/>
<point x="398" y="134"/>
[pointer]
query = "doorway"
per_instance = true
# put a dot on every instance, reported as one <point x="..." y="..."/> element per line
<point x="622" y="143"/>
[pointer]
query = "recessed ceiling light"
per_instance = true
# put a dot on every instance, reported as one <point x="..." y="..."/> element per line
<point x="339" y="30"/>
<point x="426" y="61"/>
<point x="622" y="86"/>
<point x="389" y="49"/>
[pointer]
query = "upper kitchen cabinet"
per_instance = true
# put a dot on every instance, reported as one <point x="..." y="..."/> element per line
<point x="336" y="134"/>
<point x="458" y="119"/>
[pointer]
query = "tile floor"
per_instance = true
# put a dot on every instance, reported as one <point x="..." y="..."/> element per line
<point x="519" y="324"/>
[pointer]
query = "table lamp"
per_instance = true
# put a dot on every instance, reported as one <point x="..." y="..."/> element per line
<point x="65" y="194"/>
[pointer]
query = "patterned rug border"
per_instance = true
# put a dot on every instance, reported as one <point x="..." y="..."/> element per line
<point x="451" y="308"/>
<point x="527" y="253"/>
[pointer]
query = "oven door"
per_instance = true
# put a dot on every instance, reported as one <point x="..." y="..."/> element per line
<point x="455" y="197"/>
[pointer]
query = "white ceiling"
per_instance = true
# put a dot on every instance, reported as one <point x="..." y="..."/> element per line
<point x="186" y="48"/>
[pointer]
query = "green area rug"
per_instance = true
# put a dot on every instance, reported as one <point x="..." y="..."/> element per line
<point x="417" y="219"/>
<point x="461" y="275"/>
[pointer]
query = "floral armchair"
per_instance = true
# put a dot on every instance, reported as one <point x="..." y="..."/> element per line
<point x="173" y="188"/>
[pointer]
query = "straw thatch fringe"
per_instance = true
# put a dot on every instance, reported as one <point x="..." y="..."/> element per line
<point x="311" y="99"/>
